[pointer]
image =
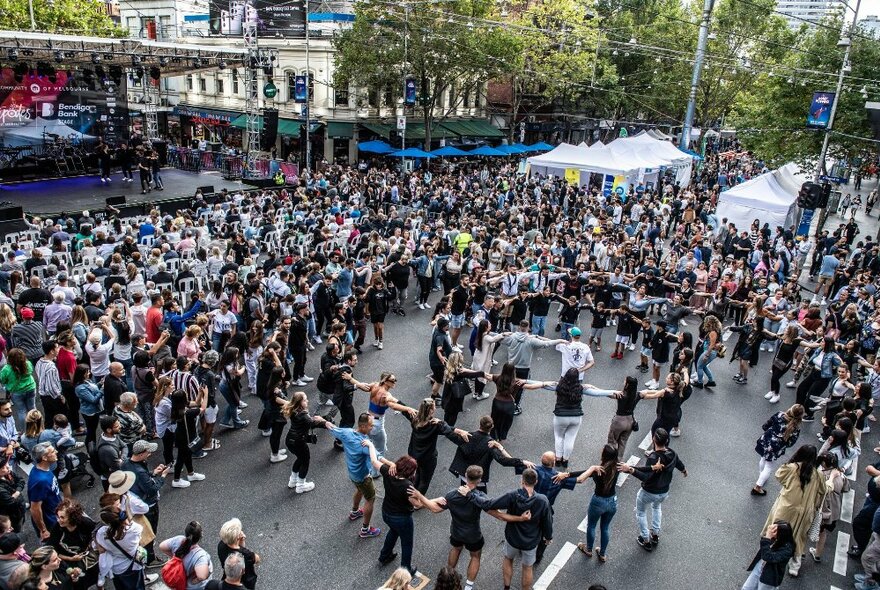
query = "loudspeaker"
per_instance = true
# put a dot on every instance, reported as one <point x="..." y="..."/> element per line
<point x="116" y="201"/>
<point x="161" y="146"/>
<point x="10" y="212"/>
<point x="208" y="189"/>
<point x="810" y="195"/>
<point x="270" y="129"/>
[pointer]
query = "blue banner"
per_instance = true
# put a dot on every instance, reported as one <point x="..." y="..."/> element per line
<point x="300" y="90"/>
<point x="806" y="219"/>
<point x="820" y="110"/>
<point x="409" y="92"/>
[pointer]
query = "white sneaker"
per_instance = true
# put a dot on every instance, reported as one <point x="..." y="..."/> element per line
<point x="282" y="451"/>
<point x="300" y="383"/>
<point x="180" y="483"/>
<point x="823" y="302"/>
<point x="376" y="344"/>
<point x="380" y="347"/>
<point x="310" y="346"/>
<point x="306" y="378"/>
<point x="866" y="429"/>
<point x="631" y="346"/>
<point x="484" y="395"/>
<point x="494" y="362"/>
<point x="768" y="395"/>
<point x="774" y="399"/>
<point x="675" y="432"/>
<point x="277" y="458"/>
<point x="317" y="340"/>
<point x="242" y="405"/>
<point x="266" y="432"/>
<point x="790" y="384"/>
<point x="304" y="486"/>
<point x="151" y="579"/>
<point x="651" y="384"/>
<point x="103" y="181"/>
<point x="195" y="476"/>
<point x="293" y="481"/>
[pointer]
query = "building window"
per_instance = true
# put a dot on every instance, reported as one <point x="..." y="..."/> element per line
<point x="220" y="86"/>
<point x="189" y="83"/>
<point x="340" y="97"/>
<point x="311" y="80"/>
<point x="134" y="25"/>
<point x="291" y="86"/>
<point x="165" y="31"/>
<point x="203" y="85"/>
<point x="373" y="97"/>
<point x="235" y="82"/>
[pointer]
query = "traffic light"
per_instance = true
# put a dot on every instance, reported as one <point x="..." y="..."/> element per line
<point x="810" y="196"/>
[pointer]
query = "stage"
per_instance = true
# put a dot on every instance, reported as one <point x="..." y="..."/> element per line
<point x="57" y="195"/>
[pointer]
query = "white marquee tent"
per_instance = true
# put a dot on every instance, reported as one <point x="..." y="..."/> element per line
<point x="770" y="198"/>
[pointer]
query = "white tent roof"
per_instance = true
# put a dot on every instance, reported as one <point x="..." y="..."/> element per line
<point x="770" y="197"/>
<point x="657" y="147"/>
<point x="592" y="160"/>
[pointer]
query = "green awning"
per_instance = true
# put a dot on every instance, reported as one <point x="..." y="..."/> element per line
<point x="417" y="131"/>
<point x="287" y="127"/>
<point x="473" y="128"/>
<point x="383" y="131"/>
<point x="340" y="130"/>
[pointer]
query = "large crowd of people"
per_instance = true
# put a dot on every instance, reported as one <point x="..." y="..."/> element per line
<point x="128" y="342"/>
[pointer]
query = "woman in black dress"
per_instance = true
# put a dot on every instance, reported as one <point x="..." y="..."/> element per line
<point x="423" y="441"/>
<point x="508" y="389"/>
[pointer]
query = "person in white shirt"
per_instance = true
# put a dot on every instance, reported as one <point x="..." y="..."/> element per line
<point x="119" y="540"/>
<point x="138" y="311"/>
<point x="222" y="326"/>
<point x="99" y="353"/>
<point x="575" y="354"/>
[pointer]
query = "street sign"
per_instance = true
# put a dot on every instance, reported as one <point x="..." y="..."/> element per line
<point x="270" y="90"/>
<point x="837" y="179"/>
<point x="401" y="123"/>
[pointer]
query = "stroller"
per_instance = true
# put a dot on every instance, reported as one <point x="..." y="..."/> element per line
<point x="71" y="466"/>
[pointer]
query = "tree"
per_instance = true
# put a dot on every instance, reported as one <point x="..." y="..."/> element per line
<point x="771" y="119"/>
<point x="73" y="17"/>
<point x="445" y="46"/>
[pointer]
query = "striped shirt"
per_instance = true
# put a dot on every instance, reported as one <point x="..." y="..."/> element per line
<point x="48" y="381"/>
<point x="186" y="382"/>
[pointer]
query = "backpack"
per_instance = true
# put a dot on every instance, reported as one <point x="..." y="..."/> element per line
<point x="174" y="574"/>
<point x="94" y="460"/>
<point x="325" y="383"/>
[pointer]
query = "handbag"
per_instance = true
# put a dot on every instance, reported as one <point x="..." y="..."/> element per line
<point x="460" y="389"/>
<point x="139" y="558"/>
<point x="635" y="427"/>
<point x="779" y="364"/>
<point x="194" y="443"/>
<point x="813" y="533"/>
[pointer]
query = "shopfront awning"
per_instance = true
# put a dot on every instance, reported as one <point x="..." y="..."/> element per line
<point x="287" y="127"/>
<point x="473" y="128"/>
<point x="340" y="130"/>
<point x="206" y="116"/>
<point x="417" y="131"/>
<point x="383" y="131"/>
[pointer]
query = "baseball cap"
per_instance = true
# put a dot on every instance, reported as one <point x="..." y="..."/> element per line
<point x="574" y="331"/>
<point x="27" y="313"/>
<point x="143" y="446"/>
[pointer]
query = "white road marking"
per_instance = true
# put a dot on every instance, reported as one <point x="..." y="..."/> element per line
<point x="555" y="566"/>
<point x="835" y="588"/>
<point x="854" y="471"/>
<point x="632" y="462"/>
<point x="582" y="527"/>
<point x="846" y="506"/>
<point x="646" y="442"/>
<point x="840" y="557"/>
<point x="25" y="468"/>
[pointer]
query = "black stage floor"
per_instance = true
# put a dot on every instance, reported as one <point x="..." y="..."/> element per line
<point x="87" y="192"/>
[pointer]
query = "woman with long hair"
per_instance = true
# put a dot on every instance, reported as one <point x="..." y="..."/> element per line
<point x="768" y="567"/>
<point x="508" y="389"/>
<point x="603" y="504"/>
<point x="44" y="568"/>
<point x="230" y="387"/>
<point x="455" y="386"/>
<point x="803" y="489"/>
<point x="184" y="415"/>
<point x="196" y="561"/>
<point x="91" y="401"/>
<point x="399" y="580"/>
<point x="831" y="506"/>
<point x="668" y="404"/>
<point x="682" y="363"/>
<point x="397" y="506"/>
<point x="448" y="578"/>
<point x="709" y="346"/>
<point x="256" y="339"/>
<point x="17" y="377"/>
<point x="568" y="412"/>
<point x="484" y="346"/>
<point x="789" y="343"/>
<point x="301" y="424"/>
<point x="72" y="538"/>
<point x="781" y="432"/>
<point x="426" y="429"/>
<point x="624" y="418"/>
<point x="823" y="363"/>
<point x="275" y="401"/>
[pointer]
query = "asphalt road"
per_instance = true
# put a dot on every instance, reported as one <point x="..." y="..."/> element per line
<point x="711" y="524"/>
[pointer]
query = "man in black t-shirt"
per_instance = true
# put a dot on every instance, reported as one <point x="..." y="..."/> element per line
<point x="438" y="353"/>
<point x="233" y="570"/>
<point x="36" y="298"/>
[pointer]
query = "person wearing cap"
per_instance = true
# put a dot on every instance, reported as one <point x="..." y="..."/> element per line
<point x="28" y="335"/>
<point x="13" y="571"/>
<point x="575" y="354"/>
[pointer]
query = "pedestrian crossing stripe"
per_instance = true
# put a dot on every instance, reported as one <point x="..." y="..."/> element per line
<point x="555" y="566"/>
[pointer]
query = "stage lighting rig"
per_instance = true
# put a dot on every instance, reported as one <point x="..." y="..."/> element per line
<point x="59" y="56"/>
<point x="135" y="60"/>
<point x="221" y="64"/>
<point x="96" y="58"/>
<point x="12" y="53"/>
<point x="21" y="70"/>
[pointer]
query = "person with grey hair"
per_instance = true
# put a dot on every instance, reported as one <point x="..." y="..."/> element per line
<point x="233" y="570"/>
<point x="131" y="425"/>
<point x="44" y="493"/>
<point x="56" y="313"/>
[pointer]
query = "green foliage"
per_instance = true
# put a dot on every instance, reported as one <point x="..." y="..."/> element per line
<point x="73" y="17"/>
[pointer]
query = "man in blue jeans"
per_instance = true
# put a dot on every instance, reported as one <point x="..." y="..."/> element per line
<point x="656" y="475"/>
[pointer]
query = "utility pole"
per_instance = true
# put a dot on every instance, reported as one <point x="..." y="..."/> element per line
<point x="308" y="92"/>
<point x="700" y="56"/>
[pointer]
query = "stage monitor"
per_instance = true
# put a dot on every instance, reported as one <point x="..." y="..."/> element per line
<point x="10" y="212"/>
<point x="208" y="189"/>
<point x="116" y="201"/>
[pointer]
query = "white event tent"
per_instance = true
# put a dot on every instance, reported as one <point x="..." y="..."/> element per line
<point x="770" y="198"/>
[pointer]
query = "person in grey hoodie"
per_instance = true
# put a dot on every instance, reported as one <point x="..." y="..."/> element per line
<point x="520" y="346"/>
<point x="521" y="538"/>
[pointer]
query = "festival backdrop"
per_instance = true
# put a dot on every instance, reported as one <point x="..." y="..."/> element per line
<point x="36" y="111"/>
<point x="273" y="18"/>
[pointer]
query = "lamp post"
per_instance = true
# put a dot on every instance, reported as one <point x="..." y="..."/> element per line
<point x="308" y="91"/>
<point x="700" y="56"/>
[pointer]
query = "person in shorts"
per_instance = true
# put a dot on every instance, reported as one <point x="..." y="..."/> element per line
<point x="464" y="530"/>
<point x="208" y="379"/>
<point x="357" y="459"/>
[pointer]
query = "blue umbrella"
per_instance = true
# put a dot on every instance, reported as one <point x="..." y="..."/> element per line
<point x="375" y="147"/>
<point x="540" y="147"/>
<point x="486" y="151"/>
<point x="521" y="147"/>
<point x="509" y="149"/>
<point x="449" y="151"/>
<point x="411" y="153"/>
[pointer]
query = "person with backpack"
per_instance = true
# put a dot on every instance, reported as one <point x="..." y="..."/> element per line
<point x="190" y="566"/>
<point x="109" y="452"/>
